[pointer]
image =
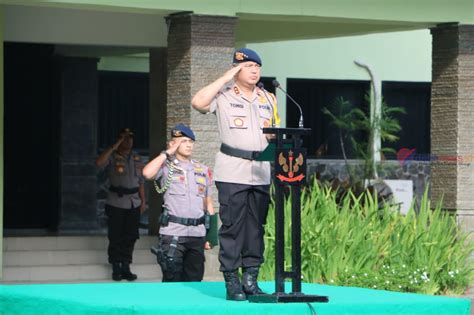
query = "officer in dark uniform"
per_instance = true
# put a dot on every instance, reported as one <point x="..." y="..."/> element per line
<point x="185" y="185"/>
<point x="125" y="202"/>
<point x="242" y="110"/>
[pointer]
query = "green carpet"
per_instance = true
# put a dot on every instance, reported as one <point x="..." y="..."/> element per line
<point x="209" y="298"/>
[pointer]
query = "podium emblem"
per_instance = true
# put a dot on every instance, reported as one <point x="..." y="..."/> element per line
<point x="290" y="168"/>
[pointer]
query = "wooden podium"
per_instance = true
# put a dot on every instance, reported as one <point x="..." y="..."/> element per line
<point x="289" y="170"/>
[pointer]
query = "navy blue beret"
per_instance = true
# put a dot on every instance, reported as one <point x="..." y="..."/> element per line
<point x="181" y="130"/>
<point x="245" y="54"/>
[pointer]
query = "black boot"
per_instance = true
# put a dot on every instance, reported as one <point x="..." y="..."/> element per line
<point x="116" y="271"/>
<point x="127" y="274"/>
<point x="233" y="286"/>
<point x="249" y="281"/>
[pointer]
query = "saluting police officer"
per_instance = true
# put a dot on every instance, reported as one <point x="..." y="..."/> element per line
<point x="242" y="110"/>
<point x="125" y="202"/>
<point x="186" y="188"/>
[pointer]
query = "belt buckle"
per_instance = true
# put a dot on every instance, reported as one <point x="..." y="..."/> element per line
<point x="255" y="155"/>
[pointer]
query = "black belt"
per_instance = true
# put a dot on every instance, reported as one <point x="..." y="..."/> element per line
<point x="244" y="154"/>
<point x="187" y="221"/>
<point x="123" y="191"/>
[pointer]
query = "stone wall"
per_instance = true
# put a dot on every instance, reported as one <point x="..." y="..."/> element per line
<point x="417" y="171"/>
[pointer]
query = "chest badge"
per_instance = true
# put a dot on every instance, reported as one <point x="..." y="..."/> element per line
<point x="238" y="122"/>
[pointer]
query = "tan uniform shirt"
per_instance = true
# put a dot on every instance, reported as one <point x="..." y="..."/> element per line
<point x="240" y="121"/>
<point x="124" y="171"/>
<point x="185" y="196"/>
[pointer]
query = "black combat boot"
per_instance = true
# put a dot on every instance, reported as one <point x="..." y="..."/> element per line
<point x="116" y="271"/>
<point x="233" y="286"/>
<point x="127" y="274"/>
<point x="249" y="281"/>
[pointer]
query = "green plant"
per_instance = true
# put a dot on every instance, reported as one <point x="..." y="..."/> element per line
<point x="349" y="121"/>
<point x="359" y="242"/>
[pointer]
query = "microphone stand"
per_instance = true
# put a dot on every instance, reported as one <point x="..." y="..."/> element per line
<point x="278" y="86"/>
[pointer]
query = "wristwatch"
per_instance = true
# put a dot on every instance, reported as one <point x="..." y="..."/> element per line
<point x="165" y="153"/>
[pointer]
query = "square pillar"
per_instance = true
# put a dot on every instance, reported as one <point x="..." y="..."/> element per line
<point x="157" y="127"/>
<point x="200" y="50"/>
<point x="78" y="103"/>
<point x="452" y="118"/>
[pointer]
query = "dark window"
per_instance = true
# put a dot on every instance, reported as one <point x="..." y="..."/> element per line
<point x="31" y="154"/>
<point x="123" y="102"/>
<point x="313" y="96"/>
<point x="415" y="98"/>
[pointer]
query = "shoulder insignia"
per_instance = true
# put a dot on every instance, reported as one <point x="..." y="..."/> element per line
<point x="209" y="174"/>
<point x="236" y="90"/>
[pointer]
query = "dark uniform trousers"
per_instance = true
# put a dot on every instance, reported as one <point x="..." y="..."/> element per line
<point x="243" y="212"/>
<point x="123" y="227"/>
<point x="187" y="263"/>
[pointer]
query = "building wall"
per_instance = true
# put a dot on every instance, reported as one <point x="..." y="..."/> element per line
<point x="399" y="56"/>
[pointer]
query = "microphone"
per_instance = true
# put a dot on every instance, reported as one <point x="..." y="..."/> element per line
<point x="261" y="87"/>
<point x="278" y="86"/>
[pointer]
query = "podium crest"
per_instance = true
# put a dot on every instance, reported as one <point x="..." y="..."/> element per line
<point x="290" y="167"/>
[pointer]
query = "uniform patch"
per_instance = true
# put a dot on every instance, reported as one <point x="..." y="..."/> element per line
<point x="267" y="107"/>
<point x="238" y="122"/>
<point x="209" y="174"/>
<point x="236" y="90"/>
<point x="262" y="99"/>
<point x="236" y="105"/>
<point x="239" y="55"/>
<point x="177" y="133"/>
<point x="201" y="180"/>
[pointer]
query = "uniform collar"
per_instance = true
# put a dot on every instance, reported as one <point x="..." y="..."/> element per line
<point x="183" y="164"/>
<point x="238" y="92"/>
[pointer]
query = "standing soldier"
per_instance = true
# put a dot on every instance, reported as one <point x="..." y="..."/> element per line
<point x="242" y="110"/>
<point x="186" y="188"/>
<point x="125" y="202"/>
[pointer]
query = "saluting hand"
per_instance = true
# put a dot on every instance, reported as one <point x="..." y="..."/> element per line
<point x="173" y="146"/>
<point x="119" y="141"/>
<point x="230" y="74"/>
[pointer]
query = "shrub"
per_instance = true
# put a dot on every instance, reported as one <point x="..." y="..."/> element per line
<point x="359" y="242"/>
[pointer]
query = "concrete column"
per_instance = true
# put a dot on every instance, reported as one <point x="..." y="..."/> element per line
<point x="157" y="129"/>
<point x="199" y="51"/>
<point x="78" y="103"/>
<point x="2" y="143"/>
<point x="452" y="119"/>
